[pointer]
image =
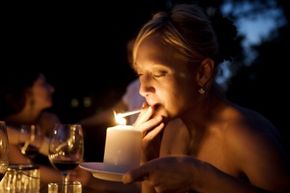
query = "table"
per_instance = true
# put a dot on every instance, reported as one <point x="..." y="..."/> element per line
<point x="84" y="190"/>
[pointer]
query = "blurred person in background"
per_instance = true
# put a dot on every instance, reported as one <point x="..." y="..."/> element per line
<point x="25" y="96"/>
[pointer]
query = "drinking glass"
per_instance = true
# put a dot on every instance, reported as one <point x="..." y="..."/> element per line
<point x="29" y="140"/>
<point x="3" y="149"/>
<point x="66" y="148"/>
<point x="72" y="187"/>
<point x="21" y="178"/>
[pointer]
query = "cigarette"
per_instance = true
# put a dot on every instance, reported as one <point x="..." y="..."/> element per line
<point x="129" y="113"/>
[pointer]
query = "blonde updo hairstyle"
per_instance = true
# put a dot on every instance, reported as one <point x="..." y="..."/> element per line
<point x="186" y="29"/>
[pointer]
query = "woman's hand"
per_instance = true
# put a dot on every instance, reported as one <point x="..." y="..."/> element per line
<point x="167" y="174"/>
<point x="151" y="128"/>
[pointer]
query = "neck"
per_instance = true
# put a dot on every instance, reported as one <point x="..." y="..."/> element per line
<point x="199" y="118"/>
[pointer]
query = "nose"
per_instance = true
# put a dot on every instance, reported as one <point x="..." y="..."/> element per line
<point x="146" y="86"/>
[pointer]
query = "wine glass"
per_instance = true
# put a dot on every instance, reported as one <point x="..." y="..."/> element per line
<point x="3" y="149"/>
<point x="30" y="140"/>
<point x="66" y="148"/>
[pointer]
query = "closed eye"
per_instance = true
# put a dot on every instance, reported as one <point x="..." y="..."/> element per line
<point x="159" y="74"/>
<point x="139" y="74"/>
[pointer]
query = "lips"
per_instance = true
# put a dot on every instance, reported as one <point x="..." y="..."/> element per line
<point x="150" y="101"/>
<point x="157" y="109"/>
<point x="154" y="104"/>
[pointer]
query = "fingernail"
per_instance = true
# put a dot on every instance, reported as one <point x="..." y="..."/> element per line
<point x="150" y="108"/>
<point x="145" y="105"/>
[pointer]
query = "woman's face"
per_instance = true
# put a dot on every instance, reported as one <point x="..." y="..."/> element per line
<point x="41" y="93"/>
<point x="166" y="82"/>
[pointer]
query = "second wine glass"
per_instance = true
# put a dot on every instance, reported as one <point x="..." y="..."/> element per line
<point x="66" y="148"/>
<point x="30" y="138"/>
<point x="3" y="149"/>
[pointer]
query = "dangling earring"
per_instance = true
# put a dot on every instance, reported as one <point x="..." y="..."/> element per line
<point x="201" y="91"/>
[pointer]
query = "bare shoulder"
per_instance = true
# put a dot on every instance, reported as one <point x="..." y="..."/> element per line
<point x="247" y="127"/>
<point x="254" y="143"/>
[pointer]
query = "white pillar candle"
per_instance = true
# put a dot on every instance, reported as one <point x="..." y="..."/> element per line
<point x="122" y="148"/>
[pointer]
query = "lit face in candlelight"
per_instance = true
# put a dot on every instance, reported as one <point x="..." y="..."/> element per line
<point x="167" y="82"/>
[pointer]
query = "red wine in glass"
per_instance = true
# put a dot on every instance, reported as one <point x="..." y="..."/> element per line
<point x="65" y="165"/>
<point x="66" y="148"/>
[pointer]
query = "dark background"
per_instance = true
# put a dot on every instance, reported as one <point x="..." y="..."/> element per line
<point x="81" y="48"/>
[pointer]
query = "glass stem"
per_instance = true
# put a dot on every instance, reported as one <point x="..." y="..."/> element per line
<point x="65" y="182"/>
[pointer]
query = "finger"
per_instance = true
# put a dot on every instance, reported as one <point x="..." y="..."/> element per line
<point x="154" y="132"/>
<point x="144" y="116"/>
<point x="149" y="125"/>
<point x="138" y="174"/>
<point x="145" y="105"/>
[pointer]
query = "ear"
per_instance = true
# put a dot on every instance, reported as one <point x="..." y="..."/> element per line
<point x="205" y="72"/>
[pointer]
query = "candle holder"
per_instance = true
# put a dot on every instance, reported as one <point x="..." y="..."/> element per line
<point x="122" y="151"/>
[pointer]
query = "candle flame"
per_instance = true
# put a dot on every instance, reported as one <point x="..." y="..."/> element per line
<point x="120" y="117"/>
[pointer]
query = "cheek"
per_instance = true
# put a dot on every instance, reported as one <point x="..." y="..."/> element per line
<point x="42" y="95"/>
<point x="181" y="97"/>
<point x="45" y="92"/>
<point x="170" y="101"/>
<point x="174" y="95"/>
